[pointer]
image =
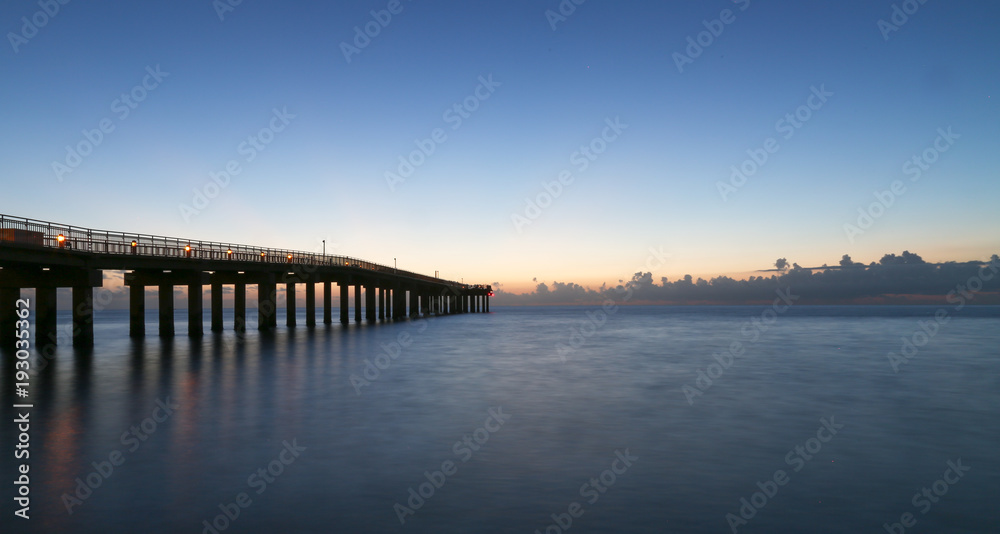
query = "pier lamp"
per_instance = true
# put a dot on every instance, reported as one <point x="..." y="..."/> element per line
<point x="135" y="246"/>
<point x="229" y="253"/>
<point x="262" y="255"/>
<point x="62" y="241"/>
<point x="289" y="258"/>
<point x="187" y="250"/>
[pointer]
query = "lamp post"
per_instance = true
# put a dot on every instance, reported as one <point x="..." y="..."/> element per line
<point x="394" y="266"/>
<point x="324" y="247"/>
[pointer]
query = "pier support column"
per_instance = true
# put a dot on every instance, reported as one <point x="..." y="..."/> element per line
<point x="83" y="316"/>
<point x="370" y="303"/>
<point x="310" y="304"/>
<point x="240" y="307"/>
<point x="327" y="303"/>
<point x="8" y="316"/>
<point x="267" y="305"/>
<point x="136" y="311"/>
<point x="486" y="303"/>
<point x="344" y="316"/>
<point x="196" y="311"/>
<point x="166" y="293"/>
<point x="357" y="303"/>
<point x="290" y="302"/>
<point x="43" y="306"/>
<point x="414" y="303"/>
<point x="380" y="296"/>
<point x="217" y="325"/>
<point x="45" y="316"/>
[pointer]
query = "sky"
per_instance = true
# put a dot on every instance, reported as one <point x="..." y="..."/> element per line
<point x="513" y="142"/>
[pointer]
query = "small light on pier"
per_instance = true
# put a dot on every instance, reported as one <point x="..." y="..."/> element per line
<point x="289" y="258"/>
<point x="187" y="250"/>
<point x="229" y="253"/>
<point x="135" y="246"/>
<point x="62" y="240"/>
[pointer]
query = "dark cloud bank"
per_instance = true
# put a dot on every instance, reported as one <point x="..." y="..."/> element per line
<point x="903" y="279"/>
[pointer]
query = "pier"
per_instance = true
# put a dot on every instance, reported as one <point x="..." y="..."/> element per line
<point x="46" y="256"/>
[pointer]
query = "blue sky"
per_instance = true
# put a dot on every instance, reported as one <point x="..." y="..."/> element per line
<point x="323" y="176"/>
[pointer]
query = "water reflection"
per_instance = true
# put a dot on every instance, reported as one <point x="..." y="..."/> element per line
<point x="240" y="397"/>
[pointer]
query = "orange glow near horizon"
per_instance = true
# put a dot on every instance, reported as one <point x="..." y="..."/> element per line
<point x="741" y="269"/>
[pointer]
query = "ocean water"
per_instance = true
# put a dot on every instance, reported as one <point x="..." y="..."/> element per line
<point x="548" y="419"/>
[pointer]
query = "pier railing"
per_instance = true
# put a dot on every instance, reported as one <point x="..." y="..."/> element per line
<point x="30" y="232"/>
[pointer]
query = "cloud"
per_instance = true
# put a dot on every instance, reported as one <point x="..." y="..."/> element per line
<point x="894" y="279"/>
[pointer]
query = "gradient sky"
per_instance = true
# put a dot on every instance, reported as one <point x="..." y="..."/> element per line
<point x="323" y="176"/>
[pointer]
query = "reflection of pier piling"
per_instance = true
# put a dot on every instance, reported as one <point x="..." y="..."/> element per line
<point x="47" y="256"/>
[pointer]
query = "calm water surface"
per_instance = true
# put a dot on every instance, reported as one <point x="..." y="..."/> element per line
<point x="520" y="420"/>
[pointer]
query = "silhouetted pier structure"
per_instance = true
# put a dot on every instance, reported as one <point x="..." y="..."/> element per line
<point x="46" y="256"/>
